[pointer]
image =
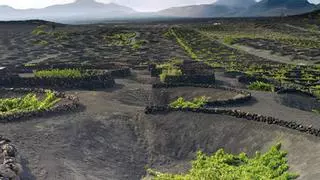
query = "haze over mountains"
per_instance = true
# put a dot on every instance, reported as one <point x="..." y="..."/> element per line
<point x="79" y="10"/>
<point x="244" y="8"/>
<point x="91" y="10"/>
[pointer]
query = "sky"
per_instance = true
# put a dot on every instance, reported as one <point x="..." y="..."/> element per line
<point x="139" y="5"/>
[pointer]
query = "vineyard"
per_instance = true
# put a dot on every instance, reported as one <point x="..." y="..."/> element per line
<point x="221" y="165"/>
<point x="27" y="103"/>
<point x="210" y="50"/>
<point x="62" y="73"/>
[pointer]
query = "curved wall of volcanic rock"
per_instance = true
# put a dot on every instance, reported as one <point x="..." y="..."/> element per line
<point x="245" y="95"/>
<point x="90" y="82"/>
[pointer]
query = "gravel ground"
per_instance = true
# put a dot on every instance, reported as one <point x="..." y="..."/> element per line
<point x="114" y="139"/>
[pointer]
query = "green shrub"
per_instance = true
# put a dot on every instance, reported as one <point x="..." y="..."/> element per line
<point x="27" y="103"/>
<point x="261" y="86"/>
<point x="30" y="65"/>
<point x="224" y="166"/>
<point x="41" y="42"/>
<point x="169" y="72"/>
<point x="195" y="103"/>
<point x="60" y="73"/>
<point x="229" y="40"/>
<point x="138" y="44"/>
<point x="40" y="30"/>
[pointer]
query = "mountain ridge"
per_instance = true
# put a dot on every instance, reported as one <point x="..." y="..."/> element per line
<point x="234" y="8"/>
<point x="80" y="9"/>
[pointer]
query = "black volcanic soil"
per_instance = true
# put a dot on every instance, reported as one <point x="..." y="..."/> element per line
<point x="113" y="139"/>
<point x="299" y="101"/>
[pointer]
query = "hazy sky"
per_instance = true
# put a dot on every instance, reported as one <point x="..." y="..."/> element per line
<point x="140" y="5"/>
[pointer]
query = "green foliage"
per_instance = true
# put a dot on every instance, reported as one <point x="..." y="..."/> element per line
<point x="197" y="102"/>
<point x="183" y="44"/>
<point x="28" y="103"/>
<point x="125" y="39"/>
<point x="59" y="35"/>
<point x="29" y="65"/>
<point x="60" y="73"/>
<point x="229" y="40"/>
<point x="170" y="68"/>
<point x="316" y="91"/>
<point x="41" y="42"/>
<point x="40" y="30"/>
<point x="171" y="71"/>
<point x="173" y="62"/>
<point x="261" y="86"/>
<point x="120" y="39"/>
<point x="224" y="166"/>
<point x="316" y="111"/>
<point x="138" y="44"/>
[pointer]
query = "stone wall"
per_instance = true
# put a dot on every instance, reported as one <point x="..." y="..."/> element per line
<point x="10" y="168"/>
<point x="194" y="79"/>
<point x="238" y="114"/>
<point x="104" y="80"/>
<point x="246" y="96"/>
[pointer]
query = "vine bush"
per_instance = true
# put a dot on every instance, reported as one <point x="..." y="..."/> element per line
<point x="221" y="165"/>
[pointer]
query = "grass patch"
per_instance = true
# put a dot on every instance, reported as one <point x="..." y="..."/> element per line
<point x="224" y="166"/>
<point x="197" y="102"/>
<point x="61" y="73"/>
<point x="28" y="103"/>
<point x="261" y="86"/>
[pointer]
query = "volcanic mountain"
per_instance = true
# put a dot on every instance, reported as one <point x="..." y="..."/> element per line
<point x="280" y="7"/>
<point x="246" y="8"/>
<point x="80" y="9"/>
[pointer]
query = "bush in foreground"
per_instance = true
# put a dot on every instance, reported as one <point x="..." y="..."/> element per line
<point x="30" y="102"/>
<point x="224" y="166"/>
<point x="261" y="86"/>
<point x="195" y="103"/>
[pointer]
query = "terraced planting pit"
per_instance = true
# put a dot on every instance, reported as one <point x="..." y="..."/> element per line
<point x="299" y="100"/>
<point x="164" y="96"/>
<point x="23" y="103"/>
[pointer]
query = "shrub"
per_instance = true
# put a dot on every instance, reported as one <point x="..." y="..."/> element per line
<point x="41" y="42"/>
<point x="27" y="103"/>
<point x="261" y="86"/>
<point x="60" y="73"/>
<point x="40" y="30"/>
<point x="170" y="72"/>
<point x="229" y="40"/>
<point x="221" y="165"/>
<point x="195" y="103"/>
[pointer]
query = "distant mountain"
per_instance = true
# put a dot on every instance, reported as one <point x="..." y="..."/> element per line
<point x="244" y="8"/>
<point x="79" y="10"/>
<point x="280" y="7"/>
<point x="206" y="10"/>
<point x="236" y="3"/>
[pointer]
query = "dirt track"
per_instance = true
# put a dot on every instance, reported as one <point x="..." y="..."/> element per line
<point x="114" y="139"/>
